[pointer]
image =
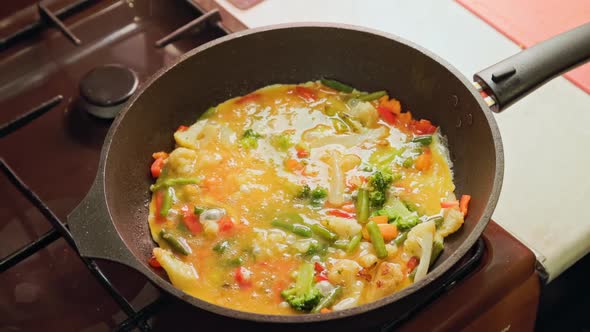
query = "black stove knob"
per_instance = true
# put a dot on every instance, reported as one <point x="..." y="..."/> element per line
<point x="105" y="89"/>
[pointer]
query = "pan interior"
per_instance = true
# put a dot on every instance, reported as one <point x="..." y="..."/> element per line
<point x="242" y="64"/>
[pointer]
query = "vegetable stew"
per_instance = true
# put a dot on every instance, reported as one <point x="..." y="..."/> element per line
<point x="302" y="198"/>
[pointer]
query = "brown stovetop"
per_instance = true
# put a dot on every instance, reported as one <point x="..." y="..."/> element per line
<point x="57" y="156"/>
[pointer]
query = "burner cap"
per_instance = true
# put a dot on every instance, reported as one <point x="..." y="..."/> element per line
<point x="108" y="86"/>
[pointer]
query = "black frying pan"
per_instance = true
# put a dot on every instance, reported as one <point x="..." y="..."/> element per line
<point x="111" y="222"/>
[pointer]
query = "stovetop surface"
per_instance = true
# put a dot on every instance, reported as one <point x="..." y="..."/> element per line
<point x="57" y="155"/>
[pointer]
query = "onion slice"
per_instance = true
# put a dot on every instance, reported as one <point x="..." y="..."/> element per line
<point x="426" y="244"/>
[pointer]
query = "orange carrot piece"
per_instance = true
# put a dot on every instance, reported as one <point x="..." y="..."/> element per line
<point x="449" y="204"/>
<point x="350" y="208"/>
<point x="379" y="219"/>
<point x="159" y="154"/>
<point x="293" y="165"/>
<point x="464" y="204"/>
<point x="325" y="310"/>
<point x="424" y="161"/>
<point x="389" y="231"/>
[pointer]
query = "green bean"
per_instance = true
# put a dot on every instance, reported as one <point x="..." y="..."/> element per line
<point x="302" y="230"/>
<point x="373" y="96"/>
<point x="328" y="300"/>
<point x="437" y="248"/>
<point x="173" y="182"/>
<point x="177" y="243"/>
<point x="354" y="244"/>
<point x="198" y="210"/>
<point x="281" y="224"/>
<point x="298" y="229"/>
<point x="362" y="205"/>
<point x="341" y="244"/>
<point x="166" y="201"/>
<point x="423" y="139"/>
<point x="377" y="239"/>
<point x="221" y="246"/>
<point x="323" y="232"/>
<point x="336" y="85"/>
<point x="401" y="238"/>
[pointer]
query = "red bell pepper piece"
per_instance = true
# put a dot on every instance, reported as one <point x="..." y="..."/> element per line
<point x="243" y="277"/>
<point x="190" y="220"/>
<point x="340" y="213"/>
<point x="319" y="268"/>
<point x="156" y="168"/>
<point x="306" y="93"/>
<point x="424" y="127"/>
<point x="386" y="115"/>
<point x="154" y="262"/>
<point x="182" y="128"/>
<point x="320" y="277"/>
<point x="412" y="263"/>
<point x="226" y="224"/>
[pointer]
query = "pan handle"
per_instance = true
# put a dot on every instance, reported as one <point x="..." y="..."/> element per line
<point x="511" y="79"/>
<point x="94" y="233"/>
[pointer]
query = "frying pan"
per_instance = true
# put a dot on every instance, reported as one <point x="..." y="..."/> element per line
<point x="111" y="221"/>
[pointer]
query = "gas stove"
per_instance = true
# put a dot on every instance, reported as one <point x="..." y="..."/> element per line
<point x="66" y="67"/>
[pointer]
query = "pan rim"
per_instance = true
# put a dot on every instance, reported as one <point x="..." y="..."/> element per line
<point x="310" y="318"/>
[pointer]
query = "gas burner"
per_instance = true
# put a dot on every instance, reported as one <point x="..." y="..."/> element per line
<point x="106" y="88"/>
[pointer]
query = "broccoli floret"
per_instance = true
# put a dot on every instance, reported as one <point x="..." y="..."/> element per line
<point x="249" y="139"/>
<point x="303" y="296"/>
<point x="317" y="196"/>
<point x="304" y="192"/>
<point x="281" y="142"/>
<point x="379" y="183"/>
<point x="398" y="213"/>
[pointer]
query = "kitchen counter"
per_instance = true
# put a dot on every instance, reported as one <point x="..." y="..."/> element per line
<point x="545" y="186"/>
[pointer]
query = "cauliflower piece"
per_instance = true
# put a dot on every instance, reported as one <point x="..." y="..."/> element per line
<point x="413" y="244"/>
<point x="344" y="227"/>
<point x="181" y="163"/>
<point x="419" y="243"/>
<point x="386" y="280"/>
<point x="181" y="274"/>
<point x="453" y="220"/>
<point x="343" y="272"/>
<point x="364" y="112"/>
<point x="367" y="260"/>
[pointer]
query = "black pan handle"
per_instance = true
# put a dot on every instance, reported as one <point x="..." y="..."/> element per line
<point x="511" y="79"/>
<point x="94" y="233"/>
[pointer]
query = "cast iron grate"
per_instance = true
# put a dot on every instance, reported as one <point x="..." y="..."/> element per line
<point x="140" y="318"/>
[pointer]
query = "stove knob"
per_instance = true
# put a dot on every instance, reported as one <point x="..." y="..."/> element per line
<point x="105" y="89"/>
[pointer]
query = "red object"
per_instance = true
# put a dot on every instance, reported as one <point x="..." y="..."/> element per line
<point x="449" y="204"/>
<point x="154" y="262"/>
<point x="528" y="22"/>
<point x="340" y="213"/>
<point x="182" y="128"/>
<point x="386" y="115"/>
<point x="159" y="197"/>
<point x="349" y="208"/>
<point x="412" y="263"/>
<point x="423" y="127"/>
<point x="306" y="93"/>
<point x="190" y="220"/>
<point x="318" y="267"/>
<point x="243" y="276"/>
<point x="302" y="154"/>
<point x="226" y="224"/>
<point x="320" y="277"/>
<point x="464" y="204"/>
<point x="156" y="168"/>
